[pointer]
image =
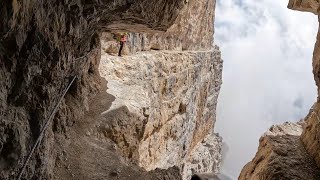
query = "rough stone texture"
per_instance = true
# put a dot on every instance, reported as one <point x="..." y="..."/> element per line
<point x="310" y="135"/>
<point x="305" y="5"/>
<point x="192" y="30"/>
<point x="168" y="100"/>
<point x="193" y="27"/>
<point x="42" y="45"/>
<point x="87" y="154"/>
<point x="281" y="155"/>
<point x="205" y="157"/>
<point x="166" y="94"/>
<point x="210" y="176"/>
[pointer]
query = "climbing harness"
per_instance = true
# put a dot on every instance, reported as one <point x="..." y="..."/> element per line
<point x="44" y="129"/>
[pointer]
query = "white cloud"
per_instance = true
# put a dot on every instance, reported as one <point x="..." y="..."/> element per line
<point x="267" y="77"/>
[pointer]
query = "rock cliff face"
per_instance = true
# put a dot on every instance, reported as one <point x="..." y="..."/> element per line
<point x="304" y="5"/>
<point x="172" y="96"/>
<point x="281" y="155"/>
<point x="43" y="44"/>
<point x="291" y="151"/>
<point x="169" y="82"/>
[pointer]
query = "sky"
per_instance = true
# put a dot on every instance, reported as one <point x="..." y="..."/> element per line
<point x="267" y="77"/>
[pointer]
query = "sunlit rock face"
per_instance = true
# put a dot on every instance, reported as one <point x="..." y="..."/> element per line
<point x="281" y="155"/>
<point x="291" y="151"/>
<point x="169" y="82"/>
<point x="173" y="96"/>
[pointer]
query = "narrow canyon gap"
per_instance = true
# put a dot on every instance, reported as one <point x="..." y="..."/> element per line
<point x="267" y="76"/>
<point x="291" y="150"/>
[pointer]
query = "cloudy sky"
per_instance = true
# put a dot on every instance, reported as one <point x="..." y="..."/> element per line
<point x="267" y="78"/>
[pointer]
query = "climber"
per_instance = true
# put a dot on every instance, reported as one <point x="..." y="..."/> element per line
<point x="123" y="40"/>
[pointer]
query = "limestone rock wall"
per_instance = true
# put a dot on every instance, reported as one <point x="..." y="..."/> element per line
<point x="170" y="117"/>
<point x="171" y="97"/>
<point x="305" y="5"/>
<point x="281" y="155"/>
<point x="310" y="135"/>
<point x="192" y="30"/>
<point x="166" y="88"/>
<point x="43" y="44"/>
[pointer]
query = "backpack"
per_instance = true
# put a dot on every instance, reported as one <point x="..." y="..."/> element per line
<point x="116" y="36"/>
